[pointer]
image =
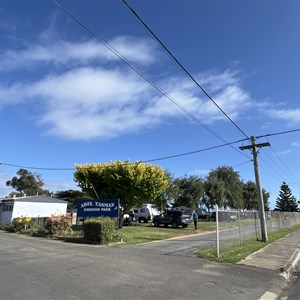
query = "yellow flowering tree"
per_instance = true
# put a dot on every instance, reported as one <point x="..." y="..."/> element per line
<point x="132" y="183"/>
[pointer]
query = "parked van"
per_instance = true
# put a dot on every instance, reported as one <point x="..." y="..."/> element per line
<point x="145" y="212"/>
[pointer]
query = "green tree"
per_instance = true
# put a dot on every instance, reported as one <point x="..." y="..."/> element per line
<point x="188" y="192"/>
<point x="71" y="196"/>
<point x="250" y="196"/>
<point x="286" y="201"/>
<point x="164" y="200"/>
<point x="224" y="188"/>
<point x="27" y="183"/>
<point x="132" y="183"/>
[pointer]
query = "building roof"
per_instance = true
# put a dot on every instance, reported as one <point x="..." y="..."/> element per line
<point x="43" y="199"/>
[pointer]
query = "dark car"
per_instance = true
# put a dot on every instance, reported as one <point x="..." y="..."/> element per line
<point x="173" y="218"/>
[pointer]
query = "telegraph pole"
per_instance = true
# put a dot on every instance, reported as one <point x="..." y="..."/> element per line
<point x="253" y="147"/>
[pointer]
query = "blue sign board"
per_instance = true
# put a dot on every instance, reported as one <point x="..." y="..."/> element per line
<point x="98" y="208"/>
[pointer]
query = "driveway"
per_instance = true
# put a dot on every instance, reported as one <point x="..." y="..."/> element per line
<point x="33" y="268"/>
<point x="182" y="246"/>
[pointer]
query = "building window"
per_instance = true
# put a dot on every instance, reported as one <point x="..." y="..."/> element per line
<point x="7" y="206"/>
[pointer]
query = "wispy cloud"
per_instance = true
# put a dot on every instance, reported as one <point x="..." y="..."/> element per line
<point x="67" y="53"/>
<point x="82" y="92"/>
<point x="199" y="172"/>
<point x="284" y="152"/>
<point x="88" y="103"/>
<point x="290" y="115"/>
<point x="296" y="144"/>
<point x="60" y="185"/>
<point x="5" y="190"/>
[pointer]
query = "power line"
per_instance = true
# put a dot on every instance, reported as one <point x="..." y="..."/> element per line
<point x="144" y="76"/>
<point x="276" y="165"/>
<point x="264" y="160"/>
<point x="285" y="166"/>
<point x="278" y="133"/>
<point x="193" y="152"/>
<point x="36" y="168"/>
<point x="183" y="68"/>
<point x="142" y="161"/>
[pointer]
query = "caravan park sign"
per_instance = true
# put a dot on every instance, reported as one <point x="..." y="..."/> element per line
<point x="98" y="208"/>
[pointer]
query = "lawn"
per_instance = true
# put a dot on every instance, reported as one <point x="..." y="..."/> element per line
<point x="146" y="232"/>
<point x="143" y="233"/>
<point x="233" y="253"/>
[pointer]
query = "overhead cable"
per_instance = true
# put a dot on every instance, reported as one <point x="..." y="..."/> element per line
<point x="143" y="161"/>
<point x="143" y="75"/>
<point x="183" y="68"/>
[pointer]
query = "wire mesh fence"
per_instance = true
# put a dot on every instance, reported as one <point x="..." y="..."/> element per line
<point x="234" y="227"/>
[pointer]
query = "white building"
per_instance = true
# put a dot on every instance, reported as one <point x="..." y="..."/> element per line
<point x="33" y="206"/>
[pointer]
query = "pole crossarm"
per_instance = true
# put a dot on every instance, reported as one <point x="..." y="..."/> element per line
<point x="253" y="147"/>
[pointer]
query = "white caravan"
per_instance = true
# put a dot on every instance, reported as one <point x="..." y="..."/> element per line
<point x="145" y="212"/>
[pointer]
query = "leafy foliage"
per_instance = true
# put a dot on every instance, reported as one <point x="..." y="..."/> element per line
<point x="250" y="196"/>
<point x="71" y="196"/>
<point x="133" y="184"/>
<point x="164" y="200"/>
<point x="22" y="225"/>
<point x="224" y="187"/>
<point x="27" y="183"/>
<point x="100" y="230"/>
<point x="189" y="190"/>
<point x="58" y="225"/>
<point x="286" y="201"/>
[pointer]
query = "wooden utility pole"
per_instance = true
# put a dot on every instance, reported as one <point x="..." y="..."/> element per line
<point x="253" y="147"/>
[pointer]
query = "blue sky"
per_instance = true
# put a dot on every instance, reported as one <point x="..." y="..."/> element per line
<point x="65" y="98"/>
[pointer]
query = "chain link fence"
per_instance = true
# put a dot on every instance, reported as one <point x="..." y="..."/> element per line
<point x="234" y="227"/>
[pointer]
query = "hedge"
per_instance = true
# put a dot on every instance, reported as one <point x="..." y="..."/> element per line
<point x="100" y="231"/>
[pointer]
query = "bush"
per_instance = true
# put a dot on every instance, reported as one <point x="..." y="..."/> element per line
<point x="22" y="224"/>
<point x="36" y="230"/>
<point x="58" y="225"/>
<point x="101" y="231"/>
<point x="7" y="227"/>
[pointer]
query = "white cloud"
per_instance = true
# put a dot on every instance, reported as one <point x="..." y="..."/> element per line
<point x="83" y="92"/>
<point x="88" y="103"/>
<point x="199" y="172"/>
<point x="296" y="144"/>
<point x="284" y="152"/>
<point x="290" y="115"/>
<point x="59" y="52"/>
<point x="5" y="190"/>
<point x="59" y="185"/>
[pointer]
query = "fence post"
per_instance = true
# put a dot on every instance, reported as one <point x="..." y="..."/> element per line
<point x="256" y="226"/>
<point x="217" y="231"/>
<point x="240" y="233"/>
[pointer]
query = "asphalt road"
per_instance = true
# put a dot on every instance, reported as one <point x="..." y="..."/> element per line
<point x="33" y="268"/>
<point x="294" y="290"/>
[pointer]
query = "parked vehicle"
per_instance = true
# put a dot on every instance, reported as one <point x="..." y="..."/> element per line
<point x="202" y="213"/>
<point x="173" y="218"/>
<point x="145" y="212"/>
<point x="224" y="216"/>
<point x="129" y="219"/>
<point x="183" y="208"/>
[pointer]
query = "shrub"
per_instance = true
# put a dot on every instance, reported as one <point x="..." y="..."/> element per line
<point x="22" y="224"/>
<point x="100" y="230"/>
<point x="58" y="225"/>
<point x="38" y="231"/>
<point x="7" y="227"/>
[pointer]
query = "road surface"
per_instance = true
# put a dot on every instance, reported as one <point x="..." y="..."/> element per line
<point x="37" y="269"/>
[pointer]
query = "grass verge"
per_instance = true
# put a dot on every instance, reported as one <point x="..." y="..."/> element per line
<point x="144" y="233"/>
<point x="234" y="254"/>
